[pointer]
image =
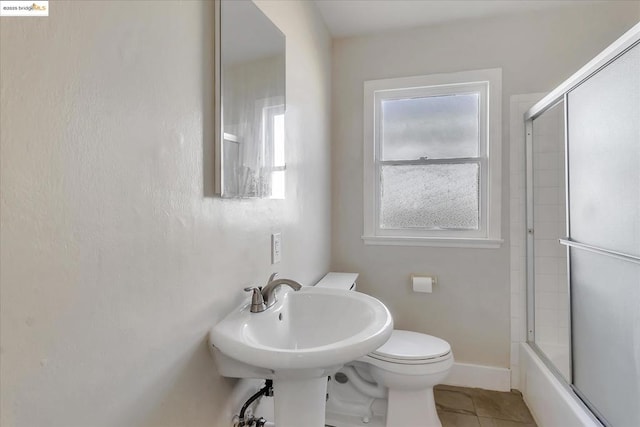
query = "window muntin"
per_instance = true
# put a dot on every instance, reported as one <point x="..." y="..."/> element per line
<point x="428" y="176"/>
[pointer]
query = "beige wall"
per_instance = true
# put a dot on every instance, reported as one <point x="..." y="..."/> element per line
<point x="470" y="305"/>
<point x="113" y="264"/>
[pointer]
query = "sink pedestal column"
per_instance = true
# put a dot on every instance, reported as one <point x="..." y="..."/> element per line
<point x="300" y="401"/>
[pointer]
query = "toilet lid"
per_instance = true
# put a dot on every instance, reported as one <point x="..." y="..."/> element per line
<point x="407" y="345"/>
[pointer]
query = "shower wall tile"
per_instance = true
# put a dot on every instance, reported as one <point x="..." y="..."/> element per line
<point x="516" y="335"/>
<point x="546" y="316"/>
<point x="547" y="195"/>
<point x="547" y="300"/>
<point x="563" y="323"/>
<point x="550" y="178"/>
<point x="551" y="295"/>
<point x="519" y="105"/>
<point x="517" y="283"/>
<point x="518" y="263"/>
<point x="545" y="161"/>
<point x="550" y="247"/>
<point x="517" y="180"/>
<point x="515" y="353"/>
<point x="546" y="264"/>
<point x="547" y="334"/>
<point x="546" y="282"/>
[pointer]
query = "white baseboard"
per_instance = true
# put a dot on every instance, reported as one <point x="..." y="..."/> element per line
<point x="479" y="376"/>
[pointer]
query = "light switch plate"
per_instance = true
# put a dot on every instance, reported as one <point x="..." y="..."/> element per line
<point x="276" y="248"/>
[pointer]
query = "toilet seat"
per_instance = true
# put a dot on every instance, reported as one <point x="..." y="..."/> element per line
<point x="412" y="348"/>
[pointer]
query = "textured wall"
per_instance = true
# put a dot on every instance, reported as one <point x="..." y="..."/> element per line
<point x="470" y="305"/>
<point x="113" y="263"/>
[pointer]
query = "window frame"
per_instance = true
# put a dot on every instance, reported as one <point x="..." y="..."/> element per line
<point x="488" y="84"/>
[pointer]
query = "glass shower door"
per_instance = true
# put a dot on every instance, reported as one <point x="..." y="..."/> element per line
<point x="551" y="287"/>
<point x="604" y="239"/>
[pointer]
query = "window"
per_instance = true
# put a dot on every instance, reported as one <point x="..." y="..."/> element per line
<point x="273" y="150"/>
<point x="432" y="160"/>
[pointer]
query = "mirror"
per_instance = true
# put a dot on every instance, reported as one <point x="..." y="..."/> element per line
<point x="249" y="102"/>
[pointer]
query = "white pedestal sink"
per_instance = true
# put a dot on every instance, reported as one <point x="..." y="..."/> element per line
<point x="297" y="342"/>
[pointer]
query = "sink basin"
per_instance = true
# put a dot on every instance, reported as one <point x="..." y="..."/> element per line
<point x="306" y="329"/>
<point x="305" y="336"/>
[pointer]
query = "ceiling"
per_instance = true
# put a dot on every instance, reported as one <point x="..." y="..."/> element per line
<point x="346" y="18"/>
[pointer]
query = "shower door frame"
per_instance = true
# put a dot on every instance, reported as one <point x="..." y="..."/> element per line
<point x="628" y="41"/>
<point x="530" y="245"/>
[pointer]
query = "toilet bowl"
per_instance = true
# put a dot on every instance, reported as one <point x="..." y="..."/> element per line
<point x="410" y="364"/>
<point x="391" y="386"/>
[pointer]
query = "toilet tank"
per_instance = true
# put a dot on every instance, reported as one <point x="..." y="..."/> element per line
<point x="333" y="280"/>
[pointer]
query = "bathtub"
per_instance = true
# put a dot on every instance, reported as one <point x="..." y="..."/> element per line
<point x="552" y="403"/>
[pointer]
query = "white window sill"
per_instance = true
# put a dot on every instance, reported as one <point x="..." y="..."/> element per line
<point x="481" y="243"/>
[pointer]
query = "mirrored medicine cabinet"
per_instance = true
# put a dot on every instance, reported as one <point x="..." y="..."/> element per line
<point x="249" y="103"/>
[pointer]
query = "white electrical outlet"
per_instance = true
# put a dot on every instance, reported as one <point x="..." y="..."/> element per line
<point x="276" y="248"/>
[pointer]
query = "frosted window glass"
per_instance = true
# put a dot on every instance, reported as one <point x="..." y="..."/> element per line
<point x="604" y="157"/>
<point x="605" y="297"/>
<point x="441" y="196"/>
<point x="435" y="127"/>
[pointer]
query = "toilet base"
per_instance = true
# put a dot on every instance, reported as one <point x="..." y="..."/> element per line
<point x="342" y="420"/>
<point x="409" y="401"/>
<point x="406" y="407"/>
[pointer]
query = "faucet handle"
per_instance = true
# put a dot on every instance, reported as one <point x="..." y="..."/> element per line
<point x="257" y="301"/>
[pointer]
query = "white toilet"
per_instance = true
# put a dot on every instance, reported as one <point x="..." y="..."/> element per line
<point x="392" y="386"/>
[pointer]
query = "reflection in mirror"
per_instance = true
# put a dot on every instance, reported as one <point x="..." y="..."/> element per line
<point x="250" y="133"/>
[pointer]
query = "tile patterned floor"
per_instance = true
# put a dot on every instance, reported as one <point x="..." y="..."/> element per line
<point x="474" y="407"/>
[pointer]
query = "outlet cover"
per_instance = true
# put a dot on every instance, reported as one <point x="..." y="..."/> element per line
<point x="276" y="248"/>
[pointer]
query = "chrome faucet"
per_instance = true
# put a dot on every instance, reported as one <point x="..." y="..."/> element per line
<point x="269" y="291"/>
